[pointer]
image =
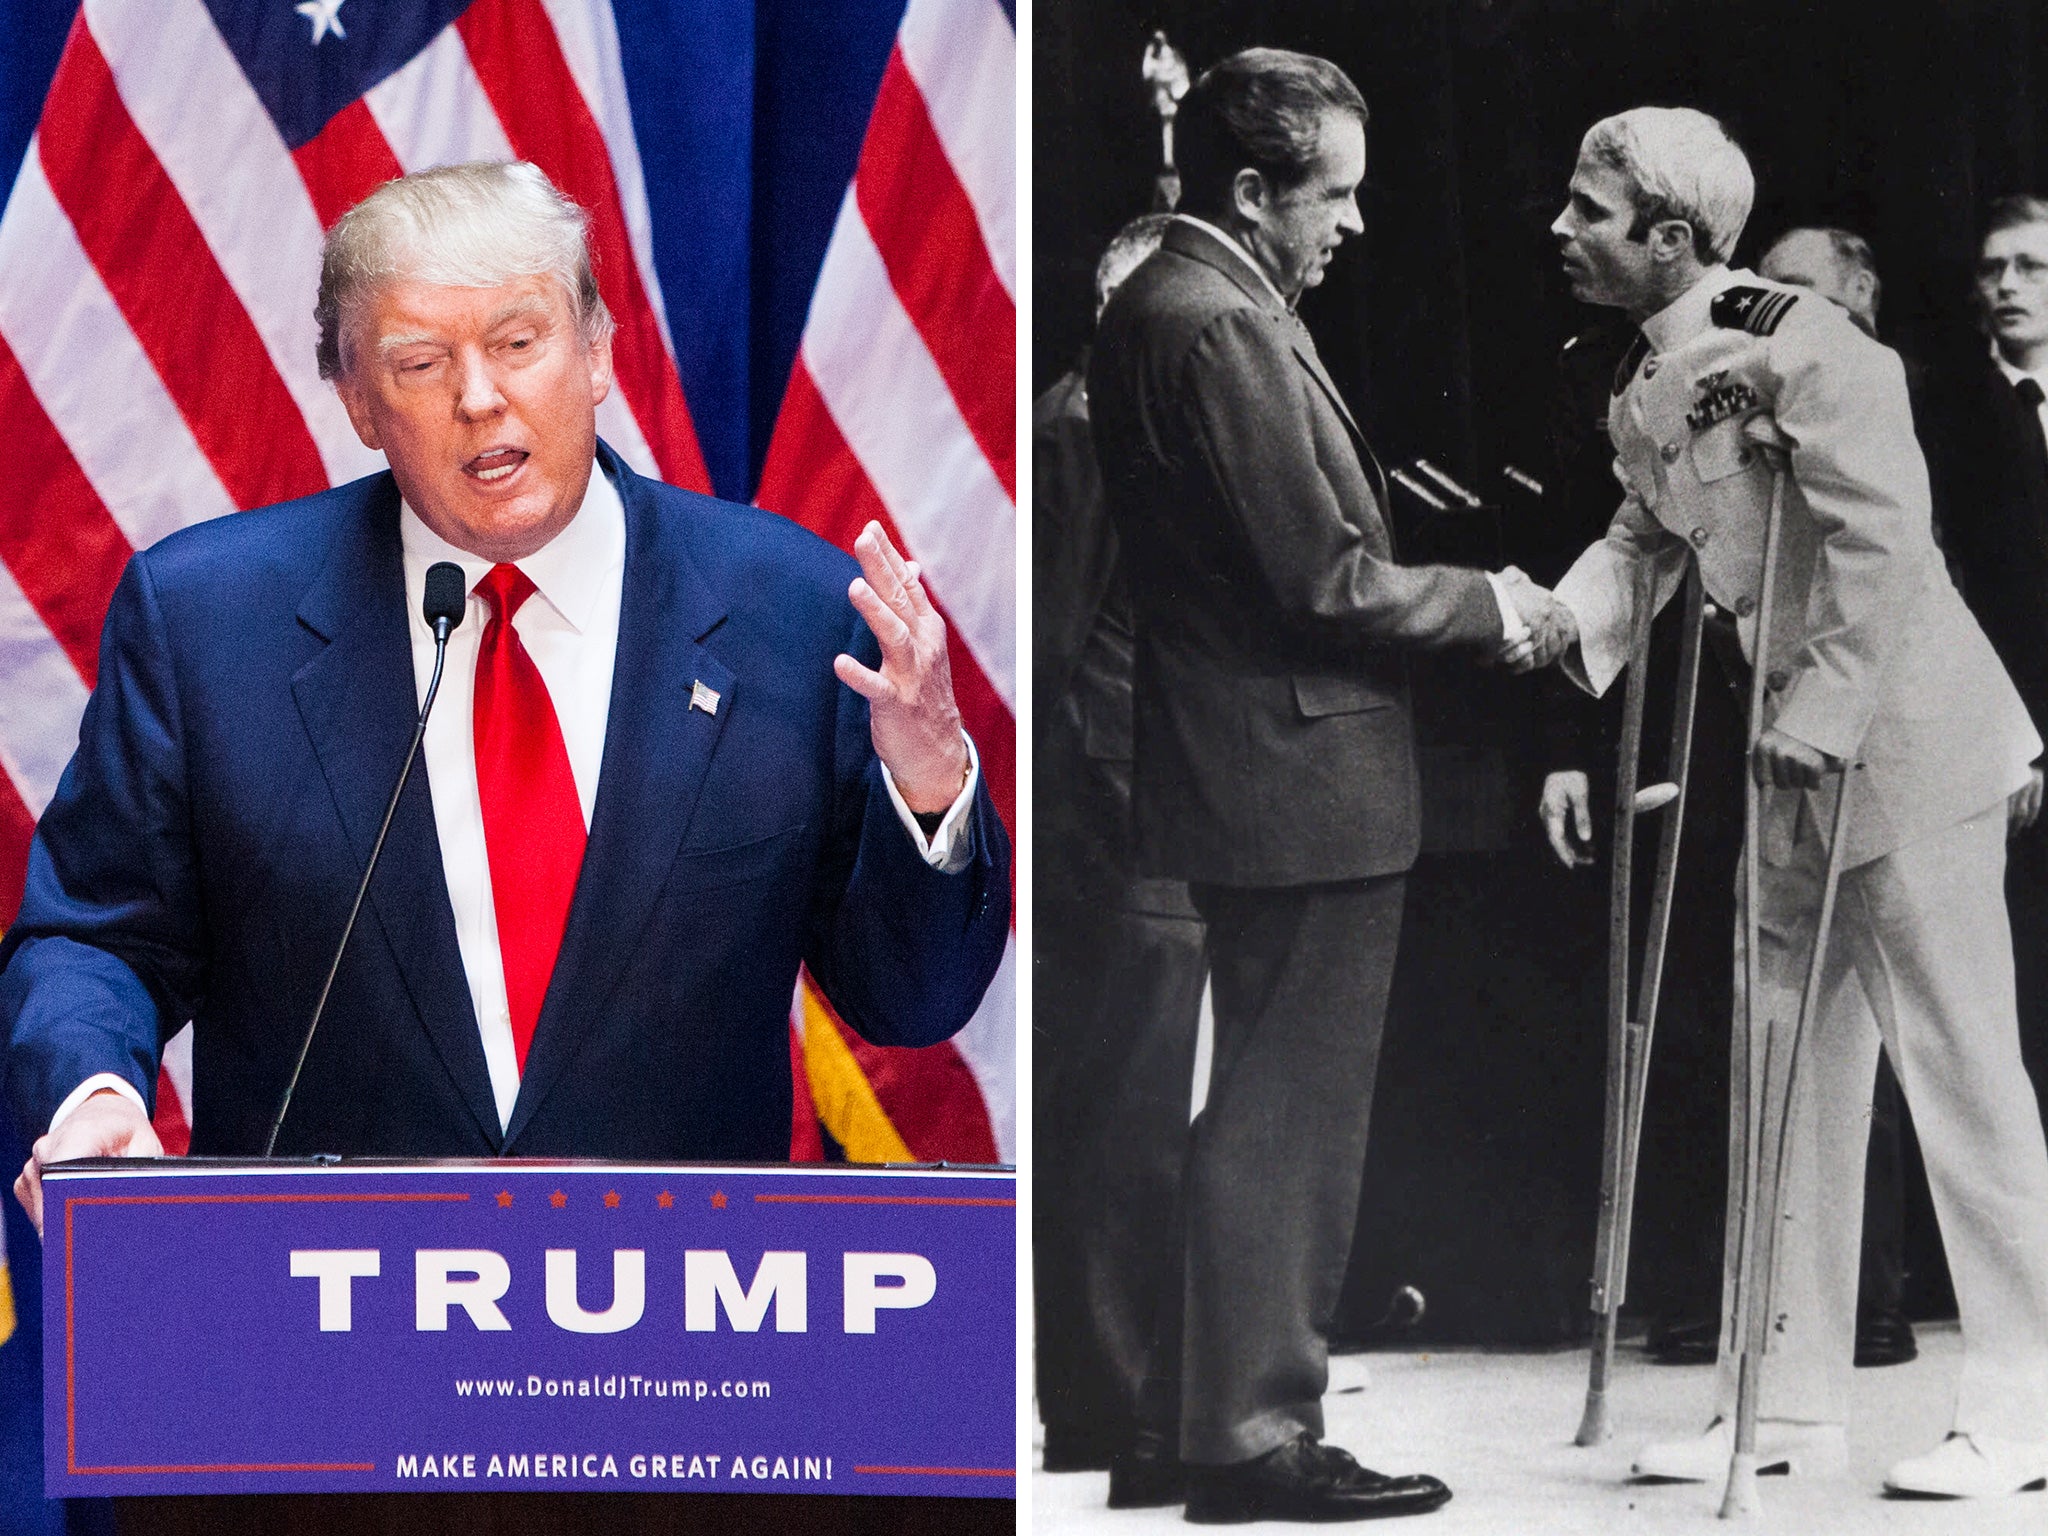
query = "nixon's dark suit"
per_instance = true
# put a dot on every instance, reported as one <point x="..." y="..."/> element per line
<point x="1990" y="481"/>
<point x="1275" y="771"/>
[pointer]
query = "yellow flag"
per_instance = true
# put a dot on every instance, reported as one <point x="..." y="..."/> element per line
<point x="6" y="1291"/>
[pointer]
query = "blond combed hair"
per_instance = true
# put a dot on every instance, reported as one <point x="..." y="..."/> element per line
<point x="477" y="225"/>
<point x="1683" y="165"/>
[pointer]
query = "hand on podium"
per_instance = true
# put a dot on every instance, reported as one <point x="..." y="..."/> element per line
<point x="1788" y="762"/>
<point x="107" y="1124"/>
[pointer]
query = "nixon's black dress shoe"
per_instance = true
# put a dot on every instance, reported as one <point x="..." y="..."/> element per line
<point x="1147" y="1476"/>
<point x="1305" y="1480"/>
<point x="1885" y="1338"/>
<point x="1072" y="1448"/>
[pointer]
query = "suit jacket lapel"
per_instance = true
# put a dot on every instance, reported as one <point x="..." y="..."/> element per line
<point x="657" y="750"/>
<point x="2021" y="426"/>
<point x="356" y="699"/>
<point x="1193" y="241"/>
<point x="1305" y="349"/>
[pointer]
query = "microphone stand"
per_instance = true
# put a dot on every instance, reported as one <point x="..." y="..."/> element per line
<point x="442" y="625"/>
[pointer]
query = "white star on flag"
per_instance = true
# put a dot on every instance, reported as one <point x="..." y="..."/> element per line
<point x="325" y="16"/>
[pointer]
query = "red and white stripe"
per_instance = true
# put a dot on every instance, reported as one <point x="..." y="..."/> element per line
<point x="160" y="251"/>
<point x="902" y="403"/>
<point x="159" y="255"/>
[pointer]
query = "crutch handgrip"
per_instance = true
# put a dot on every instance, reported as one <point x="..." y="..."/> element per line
<point x="1654" y="797"/>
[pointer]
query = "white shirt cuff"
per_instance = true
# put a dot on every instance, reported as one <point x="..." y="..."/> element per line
<point x="91" y="1086"/>
<point x="949" y="849"/>
<point x="1512" y="629"/>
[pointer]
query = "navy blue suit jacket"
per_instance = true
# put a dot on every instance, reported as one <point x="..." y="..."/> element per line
<point x="254" y="703"/>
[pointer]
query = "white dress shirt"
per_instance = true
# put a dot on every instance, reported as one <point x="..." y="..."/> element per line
<point x="570" y="628"/>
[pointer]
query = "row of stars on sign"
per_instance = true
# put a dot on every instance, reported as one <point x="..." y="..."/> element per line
<point x="665" y="1200"/>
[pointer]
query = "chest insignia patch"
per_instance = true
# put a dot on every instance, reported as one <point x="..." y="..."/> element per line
<point x="1718" y="399"/>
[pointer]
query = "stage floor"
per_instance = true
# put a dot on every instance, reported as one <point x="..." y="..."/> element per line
<point x="1497" y="1427"/>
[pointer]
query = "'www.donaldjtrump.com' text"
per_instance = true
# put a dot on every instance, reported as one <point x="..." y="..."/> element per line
<point x="617" y="1385"/>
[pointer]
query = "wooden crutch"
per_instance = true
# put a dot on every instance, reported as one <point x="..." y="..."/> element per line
<point x="1629" y="1040"/>
<point x="1765" y="1118"/>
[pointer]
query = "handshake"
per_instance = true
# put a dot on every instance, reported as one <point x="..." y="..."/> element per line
<point x="1551" y="629"/>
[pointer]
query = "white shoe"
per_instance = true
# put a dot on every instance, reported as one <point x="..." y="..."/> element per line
<point x="1972" y="1467"/>
<point x="1782" y="1447"/>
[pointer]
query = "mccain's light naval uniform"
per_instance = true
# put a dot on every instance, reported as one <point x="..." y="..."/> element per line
<point x="1872" y="659"/>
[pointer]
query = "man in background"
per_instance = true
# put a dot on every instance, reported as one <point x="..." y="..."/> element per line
<point x="1986" y="457"/>
<point x="1117" y="962"/>
<point x="1837" y="264"/>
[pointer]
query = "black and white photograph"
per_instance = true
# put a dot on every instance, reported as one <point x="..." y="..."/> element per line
<point x="1538" y="891"/>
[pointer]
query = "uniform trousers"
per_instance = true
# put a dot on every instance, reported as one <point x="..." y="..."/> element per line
<point x="1298" y="986"/>
<point x="1920" y="961"/>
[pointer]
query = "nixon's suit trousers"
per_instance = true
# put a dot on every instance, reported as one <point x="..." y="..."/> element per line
<point x="1298" y="983"/>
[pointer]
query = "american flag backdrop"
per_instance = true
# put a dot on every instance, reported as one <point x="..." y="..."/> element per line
<point x="804" y="222"/>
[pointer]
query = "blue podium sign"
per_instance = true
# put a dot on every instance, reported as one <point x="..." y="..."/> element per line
<point x="232" y="1327"/>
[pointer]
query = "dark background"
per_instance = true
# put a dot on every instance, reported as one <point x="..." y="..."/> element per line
<point x="1444" y="325"/>
<point x="1900" y="121"/>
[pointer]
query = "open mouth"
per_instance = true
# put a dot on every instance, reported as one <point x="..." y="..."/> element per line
<point x="495" y="464"/>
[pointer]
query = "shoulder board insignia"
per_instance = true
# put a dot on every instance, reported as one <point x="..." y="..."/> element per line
<point x="1756" y="310"/>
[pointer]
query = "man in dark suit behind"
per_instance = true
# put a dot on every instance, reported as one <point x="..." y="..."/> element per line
<point x="1989" y="468"/>
<point x="1274" y="763"/>
<point x="584" y="931"/>
<point x="1117" y="962"/>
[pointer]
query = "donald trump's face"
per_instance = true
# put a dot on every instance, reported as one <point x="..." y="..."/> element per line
<point x="485" y="402"/>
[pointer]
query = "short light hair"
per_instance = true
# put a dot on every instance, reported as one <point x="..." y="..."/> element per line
<point x="1127" y="248"/>
<point x="2012" y="213"/>
<point x="1681" y="164"/>
<point x="1851" y="251"/>
<point x="458" y="226"/>
<point x="1261" y="109"/>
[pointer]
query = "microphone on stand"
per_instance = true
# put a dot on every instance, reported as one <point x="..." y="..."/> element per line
<point x="442" y="607"/>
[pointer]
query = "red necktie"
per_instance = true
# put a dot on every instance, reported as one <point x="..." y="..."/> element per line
<point x="533" y="822"/>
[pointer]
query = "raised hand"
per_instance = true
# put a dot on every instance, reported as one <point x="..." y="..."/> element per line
<point x="913" y="720"/>
<point x="1788" y="762"/>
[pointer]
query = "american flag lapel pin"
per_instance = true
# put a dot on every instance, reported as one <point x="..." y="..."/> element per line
<point x="703" y="698"/>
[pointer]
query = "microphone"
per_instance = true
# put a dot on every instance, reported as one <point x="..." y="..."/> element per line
<point x="443" y="606"/>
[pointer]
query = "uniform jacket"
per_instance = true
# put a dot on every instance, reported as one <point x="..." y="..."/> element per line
<point x="1273" y="737"/>
<point x="1872" y="657"/>
<point x="254" y="703"/>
